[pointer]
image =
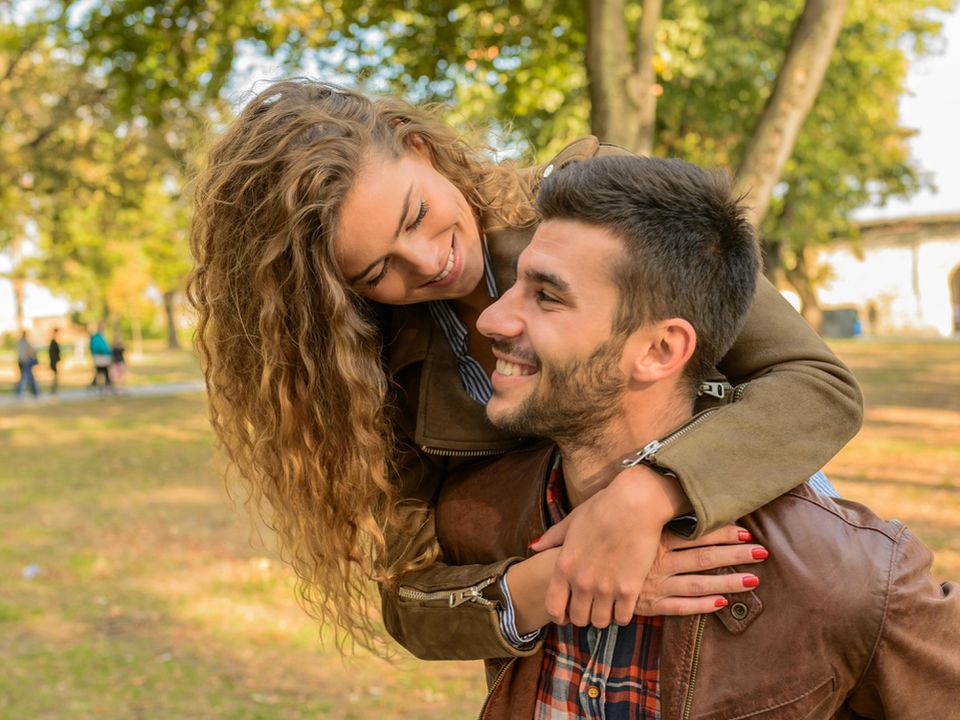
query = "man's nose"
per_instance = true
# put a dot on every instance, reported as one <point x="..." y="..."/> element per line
<point x="501" y="320"/>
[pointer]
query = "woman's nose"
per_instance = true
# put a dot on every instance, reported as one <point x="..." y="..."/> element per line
<point x="423" y="255"/>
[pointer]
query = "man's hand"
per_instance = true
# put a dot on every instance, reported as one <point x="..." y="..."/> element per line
<point x="611" y="543"/>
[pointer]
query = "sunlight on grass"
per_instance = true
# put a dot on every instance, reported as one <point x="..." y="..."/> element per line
<point x="132" y="586"/>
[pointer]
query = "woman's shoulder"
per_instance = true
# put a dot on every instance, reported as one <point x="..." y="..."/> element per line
<point x="580" y="149"/>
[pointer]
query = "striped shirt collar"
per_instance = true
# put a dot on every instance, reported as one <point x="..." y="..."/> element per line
<point x="473" y="377"/>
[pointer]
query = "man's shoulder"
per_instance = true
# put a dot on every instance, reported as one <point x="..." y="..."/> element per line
<point x="835" y="553"/>
<point x="805" y="504"/>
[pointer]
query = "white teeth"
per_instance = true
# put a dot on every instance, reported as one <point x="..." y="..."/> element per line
<point x="446" y="270"/>
<point x="509" y="368"/>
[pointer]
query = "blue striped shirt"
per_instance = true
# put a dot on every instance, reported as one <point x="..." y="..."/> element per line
<point x="475" y="381"/>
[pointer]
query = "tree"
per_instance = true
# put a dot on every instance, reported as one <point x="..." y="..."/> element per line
<point x="82" y="151"/>
<point x="718" y="90"/>
<point x="716" y="77"/>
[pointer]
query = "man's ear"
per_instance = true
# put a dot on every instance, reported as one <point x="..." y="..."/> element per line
<point x="659" y="350"/>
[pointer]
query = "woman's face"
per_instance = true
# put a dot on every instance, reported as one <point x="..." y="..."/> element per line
<point x="407" y="234"/>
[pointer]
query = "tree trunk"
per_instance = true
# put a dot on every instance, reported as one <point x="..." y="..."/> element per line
<point x="137" y="338"/>
<point x="772" y="253"/>
<point x="173" y="343"/>
<point x="646" y="77"/>
<point x="17" y="284"/>
<point x="799" y="277"/>
<point x="798" y="82"/>
<point x="613" y="111"/>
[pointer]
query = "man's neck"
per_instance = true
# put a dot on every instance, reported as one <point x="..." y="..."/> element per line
<point x="646" y="417"/>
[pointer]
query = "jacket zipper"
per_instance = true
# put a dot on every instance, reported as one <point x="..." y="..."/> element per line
<point x="739" y="390"/>
<point x="496" y="684"/>
<point x="647" y="453"/>
<point x="454" y="598"/>
<point x="460" y="453"/>
<point x="694" y="666"/>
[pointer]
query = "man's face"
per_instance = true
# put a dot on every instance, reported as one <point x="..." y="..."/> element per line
<point x="558" y="368"/>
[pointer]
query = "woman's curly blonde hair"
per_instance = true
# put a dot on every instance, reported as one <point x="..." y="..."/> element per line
<point x="292" y="356"/>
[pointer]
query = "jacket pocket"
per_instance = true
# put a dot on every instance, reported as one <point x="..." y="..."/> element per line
<point x="815" y="703"/>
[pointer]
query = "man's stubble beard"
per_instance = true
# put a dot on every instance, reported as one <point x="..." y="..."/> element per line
<point x="582" y="398"/>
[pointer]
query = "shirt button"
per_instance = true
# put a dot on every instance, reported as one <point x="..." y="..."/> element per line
<point x="593" y="692"/>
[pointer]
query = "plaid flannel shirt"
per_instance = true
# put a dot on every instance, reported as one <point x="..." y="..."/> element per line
<point x="611" y="673"/>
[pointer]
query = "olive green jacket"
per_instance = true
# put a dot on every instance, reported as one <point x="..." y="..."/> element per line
<point x="798" y="405"/>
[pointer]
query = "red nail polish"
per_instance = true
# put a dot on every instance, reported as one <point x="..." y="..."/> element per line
<point x="760" y="553"/>
<point x="720" y="602"/>
<point x="534" y="541"/>
<point x="744" y="536"/>
<point x="751" y="581"/>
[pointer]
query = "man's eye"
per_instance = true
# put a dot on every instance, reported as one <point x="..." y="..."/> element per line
<point x="373" y="282"/>
<point x="421" y="213"/>
<point x="544" y="297"/>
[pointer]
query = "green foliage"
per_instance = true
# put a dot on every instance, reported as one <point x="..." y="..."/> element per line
<point x="521" y="65"/>
<point x="101" y="105"/>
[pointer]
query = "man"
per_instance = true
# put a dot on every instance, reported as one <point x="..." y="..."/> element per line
<point x="26" y="359"/>
<point x="53" y="352"/>
<point x="600" y="345"/>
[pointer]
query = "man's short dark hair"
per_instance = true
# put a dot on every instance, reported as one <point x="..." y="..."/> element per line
<point x="690" y="251"/>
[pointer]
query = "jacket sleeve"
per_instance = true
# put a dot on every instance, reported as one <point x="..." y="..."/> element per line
<point x="914" y="672"/>
<point x="797" y="406"/>
<point x="444" y="611"/>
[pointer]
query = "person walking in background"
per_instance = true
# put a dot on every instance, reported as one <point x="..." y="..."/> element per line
<point x="102" y="358"/>
<point x="53" y="351"/>
<point x="119" y="367"/>
<point x="26" y="359"/>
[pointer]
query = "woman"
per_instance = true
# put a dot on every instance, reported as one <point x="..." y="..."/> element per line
<point x="344" y="248"/>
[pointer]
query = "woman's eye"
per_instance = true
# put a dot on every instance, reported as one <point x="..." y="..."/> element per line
<point x="373" y="282"/>
<point x="421" y="213"/>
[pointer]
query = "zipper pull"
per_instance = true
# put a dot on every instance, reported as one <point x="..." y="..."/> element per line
<point x="718" y="390"/>
<point x="646" y="451"/>
<point x="471" y="594"/>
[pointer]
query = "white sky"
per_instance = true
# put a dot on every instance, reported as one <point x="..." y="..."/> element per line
<point x="932" y="106"/>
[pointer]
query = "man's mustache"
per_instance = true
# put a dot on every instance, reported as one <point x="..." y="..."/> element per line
<point x="516" y="351"/>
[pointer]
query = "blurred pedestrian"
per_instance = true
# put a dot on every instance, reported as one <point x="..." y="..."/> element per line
<point x="119" y="368"/>
<point x="53" y="352"/>
<point x="102" y="358"/>
<point x="26" y="359"/>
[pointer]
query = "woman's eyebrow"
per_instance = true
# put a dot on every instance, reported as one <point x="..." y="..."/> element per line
<point x="406" y="210"/>
<point x="356" y="278"/>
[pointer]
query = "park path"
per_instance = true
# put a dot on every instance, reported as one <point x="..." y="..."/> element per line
<point x="71" y="395"/>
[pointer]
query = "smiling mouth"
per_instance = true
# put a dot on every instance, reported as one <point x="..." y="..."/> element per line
<point x="448" y="267"/>
<point x="514" y="369"/>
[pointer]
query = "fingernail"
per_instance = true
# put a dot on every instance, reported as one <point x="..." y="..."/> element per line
<point x="535" y="541"/>
<point x="751" y="581"/>
<point x="744" y="536"/>
<point x="720" y="602"/>
<point x="760" y="553"/>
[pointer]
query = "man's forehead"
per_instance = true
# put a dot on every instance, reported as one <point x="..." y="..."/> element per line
<point x="570" y="250"/>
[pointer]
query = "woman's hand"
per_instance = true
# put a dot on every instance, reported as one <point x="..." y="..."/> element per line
<point x="613" y="564"/>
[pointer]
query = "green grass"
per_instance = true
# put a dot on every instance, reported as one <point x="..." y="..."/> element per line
<point x="153" y="598"/>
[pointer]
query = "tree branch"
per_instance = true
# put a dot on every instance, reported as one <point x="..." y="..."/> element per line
<point x="797" y="84"/>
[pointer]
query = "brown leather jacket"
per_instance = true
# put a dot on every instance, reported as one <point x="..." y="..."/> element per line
<point x="798" y="406"/>
<point x="847" y="621"/>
